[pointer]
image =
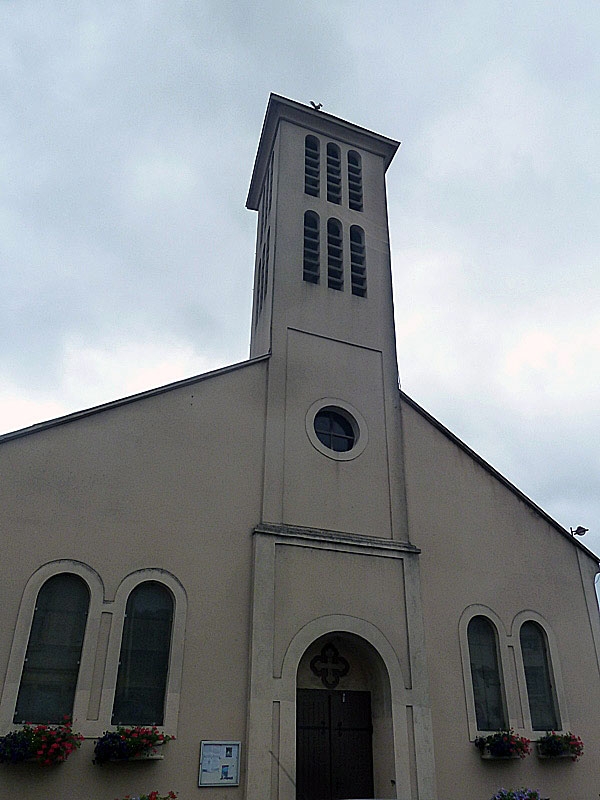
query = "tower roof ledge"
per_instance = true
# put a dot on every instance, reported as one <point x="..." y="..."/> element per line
<point x="279" y="108"/>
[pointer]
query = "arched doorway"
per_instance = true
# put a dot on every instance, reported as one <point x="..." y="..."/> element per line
<point x="343" y="721"/>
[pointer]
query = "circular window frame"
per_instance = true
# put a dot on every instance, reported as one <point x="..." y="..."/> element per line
<point x="354" y="417"/>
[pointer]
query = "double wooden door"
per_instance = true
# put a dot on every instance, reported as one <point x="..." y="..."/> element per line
<point x="334" y="751"/>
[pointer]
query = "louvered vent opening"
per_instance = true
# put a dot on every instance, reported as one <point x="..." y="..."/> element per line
<point x="263" y="272"/>
<point x="311" y="166"/>
<point x="266" y="263"/>
<point x="258" y="290"/>
<point x="335" y="260"/>
<point x="355" y="192"/>
<point x="311" y="247"/>
<point x="358" y="266"/>
<point x="334" y="174"/>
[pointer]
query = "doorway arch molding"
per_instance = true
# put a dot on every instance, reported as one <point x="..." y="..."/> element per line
<point x="340" y="623"/>
<point x="285" y="692"/>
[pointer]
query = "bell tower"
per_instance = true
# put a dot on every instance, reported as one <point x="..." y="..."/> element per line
<point x="333" y="564"/>
<point x="323" y="310"/>
<point x="322" y="249"/>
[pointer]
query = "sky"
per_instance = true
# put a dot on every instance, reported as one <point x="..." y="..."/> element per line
<point x="128" y="132"/>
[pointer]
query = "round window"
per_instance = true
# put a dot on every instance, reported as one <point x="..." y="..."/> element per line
<point x="334" y="429"/>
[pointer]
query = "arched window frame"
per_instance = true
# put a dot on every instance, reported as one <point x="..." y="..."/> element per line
<point x="312" y="166"/>
<point x="23" y="629"/>
<point x="334" y="173"/>
<point x="358" y="261"/>
<point x="311" y="256"/>
<point x="335" y="254"/>
<point x="503" y="665"/>
<point x="173" y="687"/>
<point x="355" y="181"/>
<point x="487" y="640"/>
<point x="554" y="666"/>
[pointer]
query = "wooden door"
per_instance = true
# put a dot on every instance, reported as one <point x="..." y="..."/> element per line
<point x="334" y="753"/>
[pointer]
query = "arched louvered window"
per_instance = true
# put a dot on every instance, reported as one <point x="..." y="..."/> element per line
<point x="311" y="166"/>
<point x="334" y="174"/>
<point x="144" y="657"/>
<point x="358" y="265"/>
<point x="335" y="257"/>
<point x="488" y="690"/>
<point x="538" y="677"/>
<point x="51" y="669"/>
<point x="355" y="190"/>
<point x="310" y="270"/>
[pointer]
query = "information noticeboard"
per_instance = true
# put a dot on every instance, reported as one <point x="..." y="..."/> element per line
<point x="219" y="763"/>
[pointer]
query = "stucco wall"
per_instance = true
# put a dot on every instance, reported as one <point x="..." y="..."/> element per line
<point x="482" y="545"/>
<point x="171" y="481"/>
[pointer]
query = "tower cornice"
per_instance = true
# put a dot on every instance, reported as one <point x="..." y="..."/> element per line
<point x="281" y="108"/>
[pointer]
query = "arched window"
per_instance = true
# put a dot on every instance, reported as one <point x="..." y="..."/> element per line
<point x="488" y="691"/>
<point x="358" y="266"/>
<point x="49" y="677"/>
<point x="144" y="657"/>
<point x="355" y="191"/>
<point x="310" y="270"/>
<point x="311" y="166"/>
<point x="335" y="259"/>
<point x="538" y="678"/>
<point x="334" y="174"/>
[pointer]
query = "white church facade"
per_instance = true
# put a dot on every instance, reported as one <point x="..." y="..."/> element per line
<point x="288" y="558"/>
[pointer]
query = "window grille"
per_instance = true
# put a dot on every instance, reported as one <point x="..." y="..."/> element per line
<point x="538" y="677"/>
<point x="51" y="668"/>
<point x="311" y="166"/>
<point x="335" y="431"/>
<point x="358" y="266"/>
<point x="488" y="691"/>
<point x="311" y="266"/>
<point x="144" y="656"/>
<point x="334" y="174"/>
<point x="335" y="258"/>
<point x="355" y="191"/>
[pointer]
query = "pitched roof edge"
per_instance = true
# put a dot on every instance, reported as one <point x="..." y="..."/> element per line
<point x="494" y="472"/>
<point x="123" y="401"/>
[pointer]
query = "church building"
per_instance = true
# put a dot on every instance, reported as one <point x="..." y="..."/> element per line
<point x="288" y="564"/>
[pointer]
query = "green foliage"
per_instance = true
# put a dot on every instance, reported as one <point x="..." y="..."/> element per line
<point x="504" y="744"/>
<point x="126" y="743"/>
<point x="47" y="744"/>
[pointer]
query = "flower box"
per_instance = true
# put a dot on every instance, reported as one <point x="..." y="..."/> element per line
<point x="559" y="745"/>
<point x="487" y="756"/>
<point x="541" y="754"/>
<point x="502" y="746"/>
<point x="147" y="755"/>
<point x="153" y="796"/>
<point x="129" y="745"/>
<point x="45" y="744"/>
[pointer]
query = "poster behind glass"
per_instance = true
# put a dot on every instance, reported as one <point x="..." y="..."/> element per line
<point x="219" y="763"/>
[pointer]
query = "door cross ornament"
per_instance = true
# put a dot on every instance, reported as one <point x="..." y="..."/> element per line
<point x="330" y="666"/>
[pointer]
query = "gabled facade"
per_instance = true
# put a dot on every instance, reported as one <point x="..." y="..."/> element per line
<point x="290" y="553"/>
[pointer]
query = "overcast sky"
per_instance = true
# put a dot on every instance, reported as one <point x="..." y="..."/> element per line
<point x="128" y="132"/>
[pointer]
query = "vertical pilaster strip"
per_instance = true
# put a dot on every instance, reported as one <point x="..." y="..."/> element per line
<point x="258" y="778"/>
<point x="423" y="732"/>
<point x="275" y="735"/>
<point x="99" y="666"/>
